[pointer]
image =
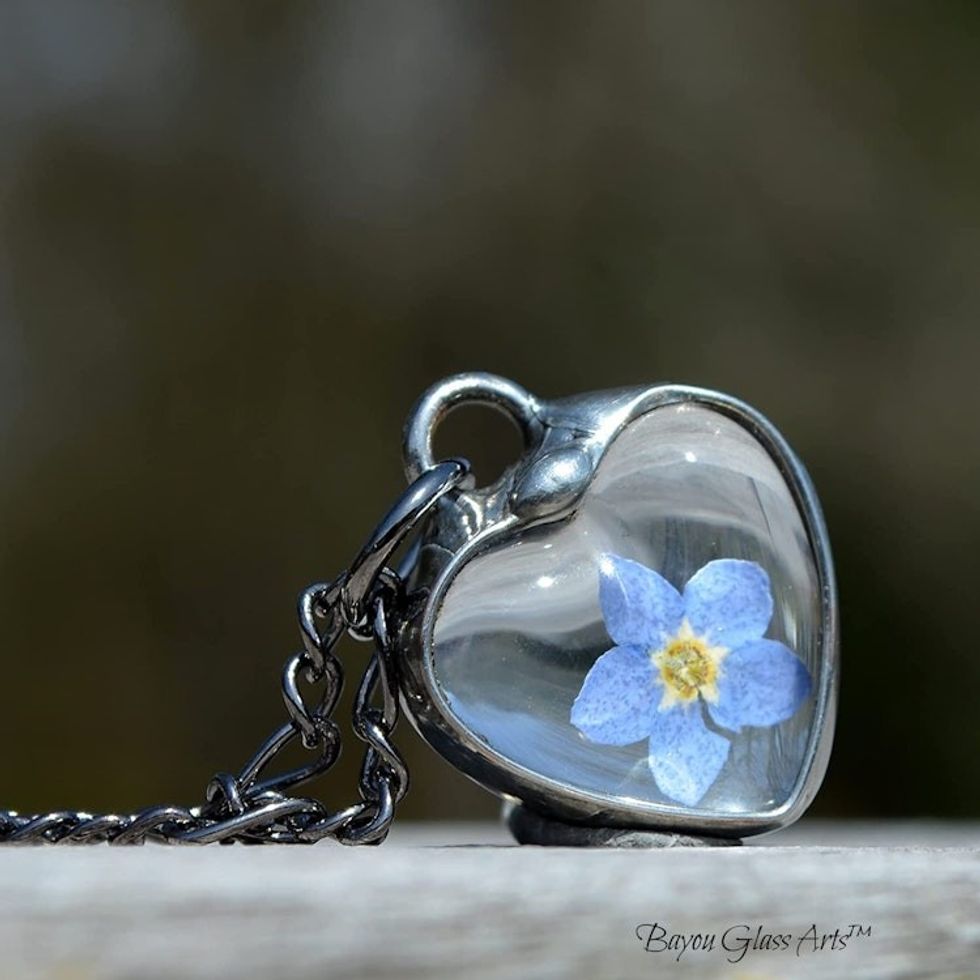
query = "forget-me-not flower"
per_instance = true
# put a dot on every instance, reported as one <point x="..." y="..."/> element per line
<point x="675" y="651"/>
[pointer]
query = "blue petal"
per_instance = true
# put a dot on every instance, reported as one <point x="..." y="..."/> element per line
<point x="639" y="606"/>
<point x="685" y="756"/>
<point x="729" y="602"/>
<point x="618" y="698"/>
<point x="761" y="683"/>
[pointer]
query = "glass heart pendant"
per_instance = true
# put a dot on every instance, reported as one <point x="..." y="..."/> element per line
<point x="631" y="636"/>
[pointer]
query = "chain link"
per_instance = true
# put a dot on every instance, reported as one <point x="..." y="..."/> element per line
<point x="253" y="807"/>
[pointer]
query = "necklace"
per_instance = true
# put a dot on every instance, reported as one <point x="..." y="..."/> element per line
<point x="630" y="636"/>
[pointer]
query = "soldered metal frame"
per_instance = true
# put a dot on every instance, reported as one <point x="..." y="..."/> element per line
<point x="565" y="441"/>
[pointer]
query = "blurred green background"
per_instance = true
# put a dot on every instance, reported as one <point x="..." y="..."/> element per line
<point x="237" y="240"/>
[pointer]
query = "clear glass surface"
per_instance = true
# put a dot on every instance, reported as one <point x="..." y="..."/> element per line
<point x="521" y="624"/>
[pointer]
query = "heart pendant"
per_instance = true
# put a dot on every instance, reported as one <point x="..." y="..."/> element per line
<point x="635" y="627"/>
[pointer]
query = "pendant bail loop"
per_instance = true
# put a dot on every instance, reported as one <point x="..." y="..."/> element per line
<point x="471" y="388"/>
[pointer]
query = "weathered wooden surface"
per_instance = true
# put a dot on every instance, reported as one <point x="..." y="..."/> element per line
<point x="413" y="908"/>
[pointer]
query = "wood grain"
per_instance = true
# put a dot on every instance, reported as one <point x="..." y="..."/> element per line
<point x="448" y="901"/>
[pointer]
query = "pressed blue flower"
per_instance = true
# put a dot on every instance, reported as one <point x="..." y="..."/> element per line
<point x="676" y="651"/>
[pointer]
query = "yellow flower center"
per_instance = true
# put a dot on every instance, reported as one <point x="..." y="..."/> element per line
<point x="688" y="666"/>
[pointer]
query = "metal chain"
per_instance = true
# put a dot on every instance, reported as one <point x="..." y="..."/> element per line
<point x="367" y="602"/>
